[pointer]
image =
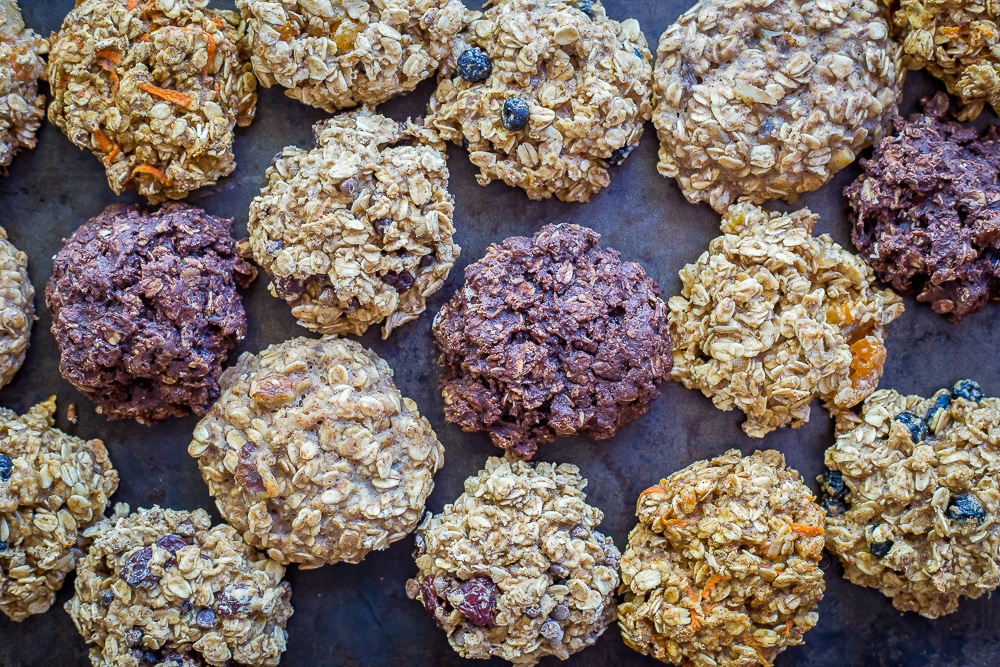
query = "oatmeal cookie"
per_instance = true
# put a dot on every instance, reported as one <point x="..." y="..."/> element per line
<point x="145" y="309"/>
<point x="21" y="66"/>
<point x="334" y="55"/>
<point x="515" y="567"/>
<point x="762" y="99"/>
<point x="17" y="308"/>
<point x="771" y="317"/>
<point x="912" y="493"/>
<point x="551" y="336"/>
<point x="312" y="453"/>
<point x="545" y="94"/>
<point x="359" y="229"/>
<point x="926" y="211"/>
<point x="154" y="89"/>
<point x="164" y="587"/>
<point x="52" y="488"/>
<point x="723" y="567"/>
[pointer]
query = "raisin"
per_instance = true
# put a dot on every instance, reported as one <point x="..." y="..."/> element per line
<point x="246" y="472"/>
<point x="205" y="619"/>
<point x="402" y="281"/>
<point x="966" y="506"/>
<point x="479" y="601"/>
<point x="969" y="390"/>
<point x="228" y="606"/>
<point x="914" y="424"/>
<point x="474" y="65"/>
<point x="136" y="572"/>
<point x="426" y="261"/>
<point x="880" y="549"/>
<point x="618" y="155"/>
<point x="6" y="468"/>
<point x="431" y="600"/>
<point x="514" y="114"/>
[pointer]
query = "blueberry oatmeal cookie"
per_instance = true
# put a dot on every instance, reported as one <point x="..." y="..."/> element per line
<point x="333" y="54"/>
<point x="763" y="99"/>
<point x="17" y="308"/>
<point x="515" y="567"/>
<point x="312" y="453"/>
<point x="723" y="568"/>
<point x="21" y="66"/>
<point x="165" y="587"/>
<point x="772" y="317"/>
<point x="359" y="229"/>
<point x="551" y="336"/>
<point x="154" y="89"/>
<point x="912" y="497"/>
<point x="546" y="95"/>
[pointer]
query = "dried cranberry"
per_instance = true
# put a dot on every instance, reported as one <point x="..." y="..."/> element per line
<point x="171" y="543"/>
<point x="246" y="472"/>
<point x="136" y="572"/>
<point x="205" y="619"/>
<point x="402" y="281"/>
<point x="431" y="600"/>
<point x="479" y="601"/>
<point x="228" y="606"/>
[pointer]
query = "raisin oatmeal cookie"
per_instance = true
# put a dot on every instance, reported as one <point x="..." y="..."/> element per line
<point x="21" y="65"/>
<point x="312" y="453"/>
<point x="332" y="54"/>
<point x="765" y="99"/>
<point x="551" y="336"/>
<point x="359" y="229"/>
<point x="515" y="567"/>
<point x="17" y="308"/>
<point x="912" y="493"/>
<point x="52" y="488"/>
<point x="165" y="587"/>
<point x="545" y="94"/>
<point x="154" y="89"/>
<point x="723" y="568"/>
<point x="771" y="317"/>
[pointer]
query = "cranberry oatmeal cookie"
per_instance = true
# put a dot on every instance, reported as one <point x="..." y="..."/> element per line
<point x="17" y="308"/>
<point x="21" y="66"/>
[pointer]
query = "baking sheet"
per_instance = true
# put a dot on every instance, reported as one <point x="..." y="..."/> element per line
<point x="359" y="614"/>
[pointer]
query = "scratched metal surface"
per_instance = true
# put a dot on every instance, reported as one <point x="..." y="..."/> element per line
<point x="359" y="614"/>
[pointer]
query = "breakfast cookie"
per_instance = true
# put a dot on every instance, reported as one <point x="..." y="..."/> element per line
<point x="145" y="309"/>
<point x="912" y="494"/>
<point x="164" y="587"/>
<point x="359" y="229"/>
<point x="334" y="55"/>
<point x="53" y="486"/>
<point x="515" y="568"/>
<point x="545" y="94"/>
<point x="926" y="211"/>
<point x="723" y="568"/>
<point x="551" y="336"/>
<point x="772" y="317"/>
<point x="154" y="89"/>
<point x="767" y="99"/>
<point x="312" y="453"/>
<point x="21" y="66"/>
<point x="17" y="308"/>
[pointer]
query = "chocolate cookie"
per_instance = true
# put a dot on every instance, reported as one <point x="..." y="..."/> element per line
<point x="21" y="65"/>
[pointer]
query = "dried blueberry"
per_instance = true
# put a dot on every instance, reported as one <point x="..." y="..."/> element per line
<point x="618" y="155"/>
<point x="966" y="506"/>
<point x="6" y="468"/>
<point x="479" y="601"/>
<point x="832" y="484"/>
<point x="514" y="114"/>
<point x="969" y="390"/>
<point x="880" y="549"/>
<point x="833" y="506"/>
<point x="941" y="403"/>
<point x="913" y="423"/>
<point x="587" y="7"/>
<point x="3" y="545"/>
<point x="474" y="65"/>
<point x="136" y="572"/>
<point x="205" y="619"/>
<point x="401" y="281"/>
<point x="465" y="142"/>
<point x="171" y="543"/>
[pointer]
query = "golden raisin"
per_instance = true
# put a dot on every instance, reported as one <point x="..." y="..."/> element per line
<point x="868" y="358"/>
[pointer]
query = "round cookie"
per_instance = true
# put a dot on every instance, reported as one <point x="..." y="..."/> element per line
<point x="359" y="229"/>
<point x="924" y="212"/>
<point x="17" y="308"/>
<point x="545" y="94"/>
<point x="164" y="587"/>
<point x="761" y="99"/>
<point x="154" y="89"/>
<point x="312" y="453"/>
<point x="53" y="487"/>
<point x="334" y="55"/>
<point x="912" y="493"/>
<point x="772" y="317"/>
<point x="551" y="336"/>
<point x="514" y="568"/>
<point x="723" y="568"/>
<point x="21" y="65"/>
<point x="145" y="309"/>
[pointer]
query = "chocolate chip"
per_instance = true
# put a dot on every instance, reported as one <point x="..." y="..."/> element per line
<point x="618" y="155"/>
<point x="380" y="225"/>
<point x="349" y="186"/>
<point x="880" y="549"/>
<point x="426" y="261"/>
<point x="533" y="611"/>
<point x="402" y="281"/>
<point x="560" y="612"/>
<point x="551" y="631"/>
<point x="133" y="636"/>
<point x="106" y="597"/>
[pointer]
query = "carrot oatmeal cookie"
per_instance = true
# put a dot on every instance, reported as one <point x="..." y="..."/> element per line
<point x="333" y="55"/>
<point x="21" y="66"/>
<point x="154" y="89"/>
<point x="164" y="587"/>
<point x="312" y="453"/>
<point x="359" y="229"/>
<point x="912" y="493"/>
<point x="53" y="486"/>
<point x="17" y="308"/>
<point x="723" y="568"/>
<point x="765" y="99"/>
<point x="545" y="94"/>
<point x="771" y="317"/>
<point x="515" y="567"/>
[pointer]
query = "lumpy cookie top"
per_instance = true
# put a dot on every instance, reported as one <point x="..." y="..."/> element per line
<point x="359" y="229"/>
<point x="145" y="309"/>
<point x="545" y="94"/>
<point x="551" y="336"/>
<point x="515" y="568"/>
<point x="164" y="587"/>
<point x="771" y="317"/>
<point x="17" y="308"/>
<point x="925" y="211"/>
<point x="912" y="496"/>
<point x="154" y="89"/>
<point x="723" y="568"/>
<point x="21" y="65"/>
<point x="313" y="455"/>
<point x="334" y="55"/>
<point x="765" y="99"/>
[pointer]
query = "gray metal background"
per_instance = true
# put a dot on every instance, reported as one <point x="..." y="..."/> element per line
<point x="359" y="614"/>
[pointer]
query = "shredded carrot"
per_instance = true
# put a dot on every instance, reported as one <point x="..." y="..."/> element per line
<point x="687" y="521"/>
<point x="152" y="171"/>
<point x="113" y="154"/>
<point x="710" y="585"/>
<point x="172" y="96"/>
<point x="807" y="531"/>
<point x="144" y="37"/>
<point x="102" y="142"/>
<point x="789" y="624"/>
<point x="115" y="81"/>
<point x="752" y="643"/>
<point x="131" y="4"/>
<point x="109" y="55"/>
<point x="656" y="488"/>
<point x="211" y="53"/>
